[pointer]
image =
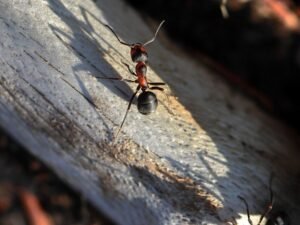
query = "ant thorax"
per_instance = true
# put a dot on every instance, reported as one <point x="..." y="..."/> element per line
<point x="141" y="69"/>
<point x="138" y="53"/>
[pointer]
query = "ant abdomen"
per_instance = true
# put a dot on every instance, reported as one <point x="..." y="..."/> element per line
<point x="138" y="53"/>
<point x="147" y="102"/>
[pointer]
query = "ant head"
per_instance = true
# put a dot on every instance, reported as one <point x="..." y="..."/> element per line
<point x="147" y="102"/>
<point x="138" y="53"/>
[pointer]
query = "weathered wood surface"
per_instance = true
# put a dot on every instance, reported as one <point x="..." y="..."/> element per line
<point x="184" y="164"/>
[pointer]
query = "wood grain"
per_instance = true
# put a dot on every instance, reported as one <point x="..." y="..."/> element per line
<point x="184" y="164"/>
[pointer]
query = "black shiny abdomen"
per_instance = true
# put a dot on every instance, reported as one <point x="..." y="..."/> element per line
<point x="147" y="102"/>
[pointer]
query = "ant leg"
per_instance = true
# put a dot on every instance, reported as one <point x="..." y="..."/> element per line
<point x="129" y="105"/>
<point x="156" y="83"/>
<point x="270" y="206"/>
<point x="233" y="222"/>
<point x="129" y="69"/>
<point x="157" y="88"/>
<point x="247" y="208"/>
<point x="112" y="30"/>
<point x="117" y="78"/>
<point x="166" y="95"/>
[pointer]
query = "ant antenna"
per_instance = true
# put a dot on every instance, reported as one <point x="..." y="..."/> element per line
<point x="122" y="42"/>
<point x="268" y="209"/>
<point x="129" y="105"/>
<point x="247" y="208"/>
<point x="270" y="206"/>
<point x="153" y="39"/>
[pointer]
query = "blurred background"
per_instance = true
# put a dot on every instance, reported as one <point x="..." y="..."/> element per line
<point x="31" y="194"/>
<point x="252" y="44"/>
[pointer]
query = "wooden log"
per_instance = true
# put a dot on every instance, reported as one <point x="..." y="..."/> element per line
<point x="184" y="164"/>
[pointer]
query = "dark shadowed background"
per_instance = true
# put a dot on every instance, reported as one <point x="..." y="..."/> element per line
<point x="256" y="48"/>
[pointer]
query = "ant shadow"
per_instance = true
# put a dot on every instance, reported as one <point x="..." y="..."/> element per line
<point x="183" y="197"/>
<point x="241" y="171"/>
<point x="92" y="56"/>
<point x="82" y="42"/>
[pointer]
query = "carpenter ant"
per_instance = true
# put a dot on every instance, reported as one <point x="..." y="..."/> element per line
<point x="146" y="101"/>
<point x="276" y="219"/>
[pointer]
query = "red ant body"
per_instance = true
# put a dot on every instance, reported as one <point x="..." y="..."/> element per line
<point x="147" y="101"/>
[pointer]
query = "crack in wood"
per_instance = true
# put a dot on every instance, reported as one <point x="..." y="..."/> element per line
<point x="59" y="125"/>
<point x="27" y="36"/>
<point x="49" y="64"/>
<point x="68" y="83"/>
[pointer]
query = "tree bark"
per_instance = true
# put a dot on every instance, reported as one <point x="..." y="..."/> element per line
<point x="184" y="164"/>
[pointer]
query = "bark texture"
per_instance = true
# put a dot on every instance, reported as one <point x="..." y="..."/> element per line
<point x="184" y="164"/>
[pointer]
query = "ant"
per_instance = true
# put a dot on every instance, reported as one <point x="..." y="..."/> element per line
<point x="147" y="100"/>
<point x="277" y="219"/>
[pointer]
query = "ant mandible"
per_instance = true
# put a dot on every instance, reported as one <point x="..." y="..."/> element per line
<point x="282" y="217"/>
<point x="147" y="100"/>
